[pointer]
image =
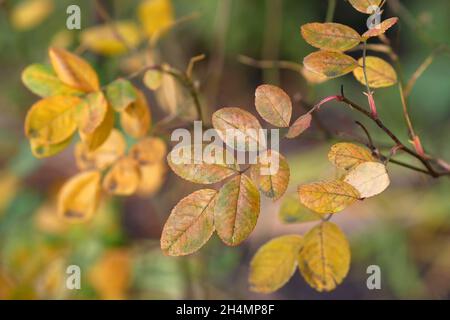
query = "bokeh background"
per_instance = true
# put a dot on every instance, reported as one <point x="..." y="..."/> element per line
<point x="405" y="230"/>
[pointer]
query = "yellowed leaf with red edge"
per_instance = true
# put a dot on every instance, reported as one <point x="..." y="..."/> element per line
<point x="369" y="178"/>
<point x="42" y="80"/>
<point x="327" y="197"/>
<point x="324" y="259"/>
<point x="348" y="155"/>
<point x="189" y="163"/>
<point x="103" y="39"/>
<point x="95" y="139"/>
<point x="93" y="114"/>
<point x="111" y="274"/>
<point x="330" y="64"/>
<point x="156" y="16"/>
<point x="330" y="36"/>
<point x="53" y="120"/>
<point x="379" y="73"/>
<point x="152" y="178"/>
<point x="73" y="70"/>
<point x="237" y="125"/>
<point x="28" y="14"/>
<point x="365" y="6"/>
<point x="273" y="105"/>
<point x="136" y="118"/>
<point x="274" y="263"/>
<point x="271" y="174"/>
<point x="380" y="28"/>
<point x="104" y="156"/>
<point x="121" y="93"/>
<point x="299" y="126"/>
<point x="123" y="178"/>
<point x="237" y="210"/>
<point x="43" y="150"/>
<point x="149" y="150"/>
<point x="190" y="224"/>
<point x="79" y="197"/>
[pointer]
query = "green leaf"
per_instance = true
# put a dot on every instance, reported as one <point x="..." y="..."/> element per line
<point x="120" y="94"/>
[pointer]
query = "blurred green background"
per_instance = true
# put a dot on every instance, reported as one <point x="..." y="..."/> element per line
<point x="406" y="230"/>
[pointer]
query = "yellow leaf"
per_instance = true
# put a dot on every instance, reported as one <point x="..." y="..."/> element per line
<point x="327" y="197"/>
<point x="62" y="39"/>
<point x="153" y="79"/>
<point x="79" y="197"/>
<point x="104" y="39"/>
<point x="348" y="155"/>
<point x="30" y="13"/>
<point x="365" y="6"/>
<point x="149" y="150"/>
<point x="313" y="77"/>
<point x="236" y="124"/>
<point x="136" y="118"/>
<point x="93" y="114"/>
<point x="53" y="120"/>
<point x="299" y="126"/>
<point x="324" y="258"/>
<point x="190" y="224"/>
<point x="369" y="178"/>
<point x="274" y="263"/>
<point x="120" y="94"/>
<point x="73" y="70"/>
<point x="95" y="139"/>
<point x="109" y="152"/>
<point x="123" y="178"/>
<point x="152" y="178"/>
<point x="273" y="105"/>
<point x="379" y="73"/>
<point x="111" y="274"/>
<point x="329" y="64"/>
<point x="43" y="150"/>
<point x="237" y="210"/>
<point x="271" y="174"/>
<point x="41" y="80"/>
<point x="292" y="211"/>
<point x="156" y="16"/>
<point x="330" y="36"/>
<point x="380" y="28"/>
<point x="188" y="162"/>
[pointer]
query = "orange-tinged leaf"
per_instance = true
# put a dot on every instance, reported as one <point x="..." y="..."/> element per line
<point x="79" y="197"/>
<point x="104" y="156"/>
<point x="381" y="28"/>
<point x="103" y="39"/>
<point x="324" y="259"/>
<point x="152" y="178"/>
<point x="93" y="114"/>
<point x="330" y="36"/>
<point x="237" y="124"/>
<point x="73" y="70"/>
<point x="273" y="105"/>
<point x="149" y="150"/>
<point x="369" y="178"/>
<point x="292" y="211"/>
<point x="120" y="94"/>
<point x="274" y="263"/>
<point x="237" y="210"/>
<point x="330" y="64"/>
<point x="365" y="6"/>
<point x="28" y="14"/>
<point x="123" y="178"/>
<point x="299" y="126"/>
<point x="379" y="73"/>
<point x="53" y="120"/>
<point x="271" y="174"/>
<point x="42" y="80"/>
<point x="327" y="197"/>
<point x="44" y="150"/>
<point x="188" y="163"/>
<point x="136" y="118"/>
<point x="156" y="16"/>
<point x="95" y="139"/>
<point x="348" y="155"/>
<point x="190" y="224"/>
